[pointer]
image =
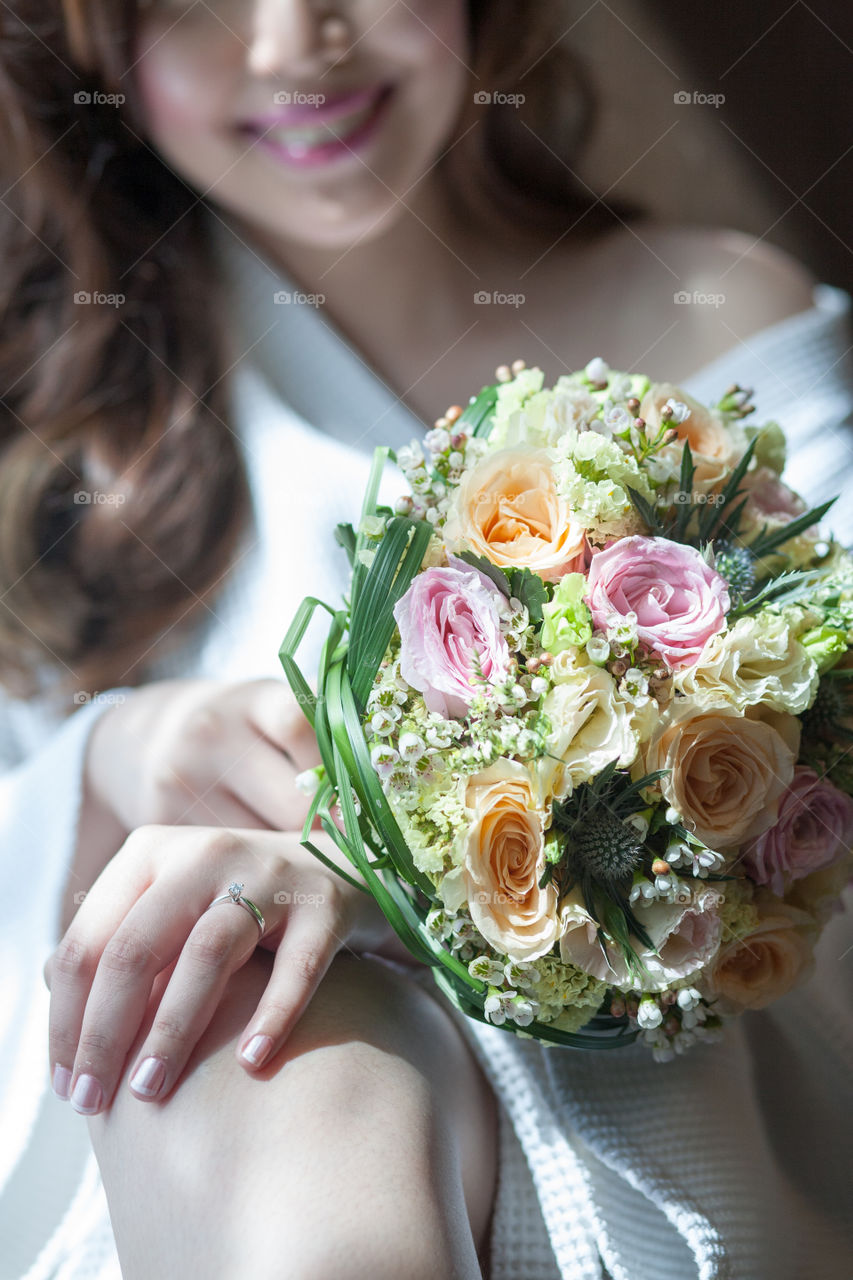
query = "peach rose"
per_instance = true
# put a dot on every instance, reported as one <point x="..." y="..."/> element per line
<point x="504" y="860"/>
<point x="727" y="771"/>
<point x="715" y="445"/>
<point x="752" y="972"/>
<point x="508" y="510"/>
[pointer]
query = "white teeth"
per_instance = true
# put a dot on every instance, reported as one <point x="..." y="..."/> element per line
<point x="304" y="137"/>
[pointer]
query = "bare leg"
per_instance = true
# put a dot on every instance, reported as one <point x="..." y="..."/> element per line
<point x="365" y="1151"/>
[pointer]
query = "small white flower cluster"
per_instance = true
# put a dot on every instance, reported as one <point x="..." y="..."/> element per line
<point x="435" y="466"/>
<point x="457" y="930"/>
<point x="671" y="1021"/>
<point x="509" y="990"/>
<point x="693" y="857"/>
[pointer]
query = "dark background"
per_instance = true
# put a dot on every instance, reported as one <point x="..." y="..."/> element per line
<point x="787" y="72"/>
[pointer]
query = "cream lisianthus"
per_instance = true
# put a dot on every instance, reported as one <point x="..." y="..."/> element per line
<point x="590" y="722"/>
<point x="726" y="771"/>
<point x="758" y="660"/>
<point x="504" y="860"/>
<point x="684" y="936"/>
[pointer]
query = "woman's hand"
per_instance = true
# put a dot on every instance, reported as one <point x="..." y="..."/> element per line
<point x="147" y="911"/>
<point x="202" y="753"/>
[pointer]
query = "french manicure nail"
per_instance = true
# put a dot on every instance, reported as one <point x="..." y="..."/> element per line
<point x="258" y="1050"/>
<point x="148" y="1077"/>
<point x="61" y="1081"/>
<point x="87" y="1095"/>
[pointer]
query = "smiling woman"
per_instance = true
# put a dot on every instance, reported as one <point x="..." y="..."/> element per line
<point x="106" y="199"/>
<point x="239" y="239"/>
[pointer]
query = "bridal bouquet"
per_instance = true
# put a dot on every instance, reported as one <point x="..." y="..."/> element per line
<point x="585" y="717"/>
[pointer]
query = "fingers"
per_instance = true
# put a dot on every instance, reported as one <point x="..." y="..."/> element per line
<point x="279" y="717"/>
<point x="219" y="944"/>
<point x="312" y="937"/>
<point x="265" y="782"/>
<point x="97" y="1010"/>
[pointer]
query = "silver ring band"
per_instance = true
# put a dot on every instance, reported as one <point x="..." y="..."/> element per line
<point x="235" y="894"/>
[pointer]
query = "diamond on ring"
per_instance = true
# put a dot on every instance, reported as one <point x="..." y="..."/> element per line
<point x="235" y="890"/>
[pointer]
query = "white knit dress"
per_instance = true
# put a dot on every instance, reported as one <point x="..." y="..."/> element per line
<point x="732" y="1162"/>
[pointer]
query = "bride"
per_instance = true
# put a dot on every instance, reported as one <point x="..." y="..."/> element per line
<point x="244" y="243"/>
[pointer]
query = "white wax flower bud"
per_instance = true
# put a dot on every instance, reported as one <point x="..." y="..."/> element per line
<point x="597" y="650"/>
<point x="307" y="782"/>
<point x="411" y="747"/>
<point x="680" y="411"/>
<point x="597" y="370"/>
<point x="437" y="440"/>
<point x="649" y="1014"/>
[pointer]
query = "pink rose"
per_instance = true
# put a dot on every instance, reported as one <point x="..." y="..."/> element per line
<point x="679" y="600"/>
<point x="813" y="829"/>
<point x="769" y="498"/>
<point x="451" y="639"/>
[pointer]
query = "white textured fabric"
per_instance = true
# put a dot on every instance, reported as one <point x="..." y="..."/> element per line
<point x="732" y="1162"/>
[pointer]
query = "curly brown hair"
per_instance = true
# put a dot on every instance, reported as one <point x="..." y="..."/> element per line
<point x="123" y="495"/>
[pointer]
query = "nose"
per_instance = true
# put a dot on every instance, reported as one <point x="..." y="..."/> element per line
<point x="287" y="36"/>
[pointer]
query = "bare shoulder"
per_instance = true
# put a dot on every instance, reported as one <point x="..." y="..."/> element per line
<point x="713" y="288"/>
<point x="663" y="297"/>
<point x="763" y="279"/>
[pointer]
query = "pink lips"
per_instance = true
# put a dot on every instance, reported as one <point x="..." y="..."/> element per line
<point x="305" y="110"/>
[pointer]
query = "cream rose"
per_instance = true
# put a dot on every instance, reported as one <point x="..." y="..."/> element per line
<point x="754" y="971"/>
<point x="508" y="510"/>
<point x="590" y="725"/>
<point x="727" y="772"/>
<point x="716" y="446"/>
<point x="504" y="860"/>
<point x="758" y="660"/>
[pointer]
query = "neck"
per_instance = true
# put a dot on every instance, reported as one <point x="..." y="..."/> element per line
<point x="410" y="278"/>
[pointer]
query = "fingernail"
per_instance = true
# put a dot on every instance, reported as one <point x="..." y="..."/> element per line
<point x="61" y="1081"/>
<point x="148" y="1077"/>
<point x="86" y="1096"/>
<point x="258" y="1050"/>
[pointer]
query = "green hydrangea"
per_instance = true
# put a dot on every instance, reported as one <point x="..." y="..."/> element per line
<point x="567" y="621"/>
<point x="825" y="645"/>
<point x="737" y="912"/>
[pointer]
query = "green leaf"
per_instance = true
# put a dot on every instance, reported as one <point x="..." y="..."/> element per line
<point x="497" y="576"/>
<point x="767" y="542"/>
<point x="345" y="537"/>
<point x="646" y="511"/>
<point x="529" y="588"/>
<point x="395" y="564"/>
<point x="788" y="588"/>
<point x="478" y="415"/>
<point x="287" y="655"/>
<point x="685" y="493"/>
<point x="711" y="516"/>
